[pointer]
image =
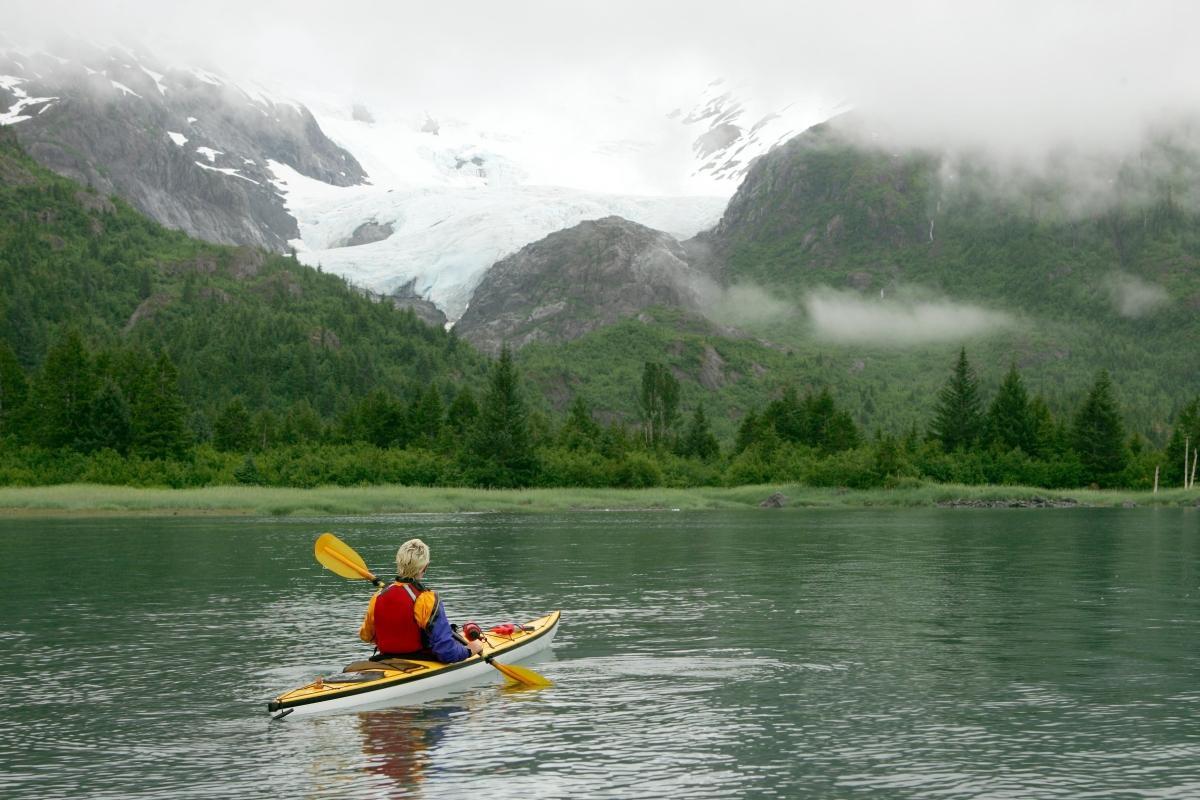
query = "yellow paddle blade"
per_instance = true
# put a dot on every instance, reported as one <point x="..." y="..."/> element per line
<point x="521" y="675"/>
<point x="336" y="556"/>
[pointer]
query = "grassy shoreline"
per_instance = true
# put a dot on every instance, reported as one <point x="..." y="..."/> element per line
<point x="73" y="499"/>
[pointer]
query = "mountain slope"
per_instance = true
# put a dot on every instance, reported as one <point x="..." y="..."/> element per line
<point x="828" y="208"/>
<point x="904" y="249"/>
<point x="186" y="147"/>
<point x="577" y="280"/>
<point x="236" y="321"/>
<point x="732" y="130"/>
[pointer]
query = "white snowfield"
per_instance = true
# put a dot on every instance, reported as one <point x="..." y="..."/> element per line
<point x="447" y="237"/>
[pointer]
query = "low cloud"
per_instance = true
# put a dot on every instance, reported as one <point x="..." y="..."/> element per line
<point x="744" y="304"/>
<point x="848" y="317"/>
<point x="1133" y="297"/>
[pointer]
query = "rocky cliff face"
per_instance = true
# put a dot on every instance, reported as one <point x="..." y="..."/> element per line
<point x="406" y="296"/>
<point x="186" y="147"/>
<point x="577" y="280"/>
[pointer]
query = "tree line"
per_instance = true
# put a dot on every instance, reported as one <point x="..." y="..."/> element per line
<point x="119" y="416"/>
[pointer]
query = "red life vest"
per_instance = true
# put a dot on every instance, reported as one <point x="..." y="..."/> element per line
<point x="396" y="629"/>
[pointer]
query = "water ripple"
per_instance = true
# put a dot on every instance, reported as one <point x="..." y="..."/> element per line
<point x="851" y="654"/>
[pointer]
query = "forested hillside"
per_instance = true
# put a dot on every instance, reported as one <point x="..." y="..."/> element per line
<point x="1098" y="263"/>
<point x="866" y="266"/>
<point x="235" y="321"/>
<point x="131" y="354"/>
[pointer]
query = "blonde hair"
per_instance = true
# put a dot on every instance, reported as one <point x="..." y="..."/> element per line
<point x="411" y="558"/>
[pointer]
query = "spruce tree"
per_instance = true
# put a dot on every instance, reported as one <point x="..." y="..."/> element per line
<point x="580" y="431"/>
<point x="232" y="432"/>
<point x="200" y="427"/>
<point x="111" y="420"/>
<point x="63" y="393"/>
<point x="14" y="390"/>
<point x="382" y="420"/>
<point x="958" y="418"/>
<point x="159" y="413"/>
<point x="501" y="450"/>
<point x="825" y="427"/>
<point x="786" y="415"/>
<point x="1048" y="434"/>
<point x="1098" y="435"/>
<point x="426" y="417"/>
<point x="748" y="432"/>
<point x="1009" y="421"/>
<point x="698" y="440"/>
<point x="461" y="416"/>
<point x="248" y="473"/>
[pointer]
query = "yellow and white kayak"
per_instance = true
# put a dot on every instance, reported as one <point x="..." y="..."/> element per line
<point x="371" y="682"/>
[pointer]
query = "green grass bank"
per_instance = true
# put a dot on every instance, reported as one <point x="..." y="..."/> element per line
<point x="71" y="499"/>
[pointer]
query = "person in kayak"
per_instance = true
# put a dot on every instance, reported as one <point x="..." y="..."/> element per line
<point x="407" y="620"/>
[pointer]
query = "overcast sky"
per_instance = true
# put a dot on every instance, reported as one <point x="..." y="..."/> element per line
<point x="1003" y="73"/>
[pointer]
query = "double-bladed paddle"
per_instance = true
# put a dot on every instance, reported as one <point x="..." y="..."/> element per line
<point x="340" y="559"/>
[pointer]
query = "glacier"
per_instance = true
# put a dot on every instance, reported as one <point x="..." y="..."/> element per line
<point x="446" y="237"/>
<point x="458" y="199"/>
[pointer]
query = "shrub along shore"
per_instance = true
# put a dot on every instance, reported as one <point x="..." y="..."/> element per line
<point x="88" y="499"/>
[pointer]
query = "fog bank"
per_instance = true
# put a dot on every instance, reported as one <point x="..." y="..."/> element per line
<point x="849" y="318"/>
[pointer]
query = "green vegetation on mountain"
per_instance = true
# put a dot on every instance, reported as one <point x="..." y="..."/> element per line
<point x="130" y="354"/>
<point x="235" y="322"/>
<point x="1097" y="265"/>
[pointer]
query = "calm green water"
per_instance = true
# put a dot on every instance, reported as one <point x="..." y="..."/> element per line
<point x="1000" y="654"/>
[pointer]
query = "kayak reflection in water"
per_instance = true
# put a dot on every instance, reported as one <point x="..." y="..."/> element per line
<point x="398" y="742"/>
<point x="407" y="620"/>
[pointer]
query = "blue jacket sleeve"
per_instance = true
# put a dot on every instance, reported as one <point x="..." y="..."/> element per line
<point x="441" y="639"/>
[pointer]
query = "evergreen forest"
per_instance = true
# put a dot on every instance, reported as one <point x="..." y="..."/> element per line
<point x="131" y="354"/>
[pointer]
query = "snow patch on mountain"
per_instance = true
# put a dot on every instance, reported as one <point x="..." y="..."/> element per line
<point x="732" y="127"/>
<point x="15" y="112"/>
<point x="123" y="88"/>
<point x="226" y="171"/>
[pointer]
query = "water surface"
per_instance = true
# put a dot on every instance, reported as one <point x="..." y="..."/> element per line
<point x="892" y="653"/>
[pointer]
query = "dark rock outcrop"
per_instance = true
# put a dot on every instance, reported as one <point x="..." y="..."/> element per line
<point x="406" y="296"/>
<point x="776" y="500"/>
<point x="577" y="280"/>
<point x="368" y="233"/>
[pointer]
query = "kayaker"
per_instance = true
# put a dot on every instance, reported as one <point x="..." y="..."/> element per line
<point x="407" y="620"/>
